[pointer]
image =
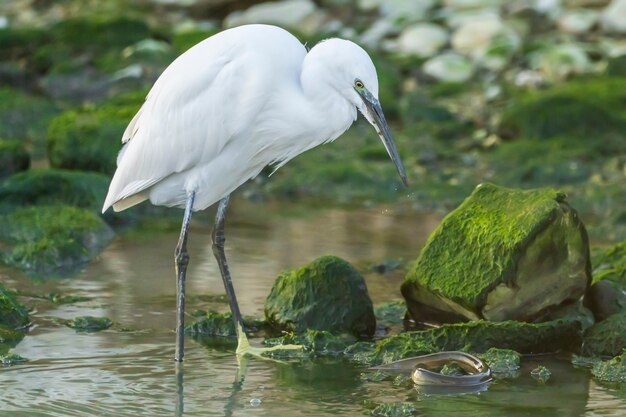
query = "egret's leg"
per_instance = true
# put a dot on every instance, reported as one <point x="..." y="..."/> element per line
<point x="218" y="239"/>
<point x="243" y="346"/>
<point x="182" y="260"/>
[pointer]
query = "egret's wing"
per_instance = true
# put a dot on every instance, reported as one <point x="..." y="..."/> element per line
<point x="200" y="101"/>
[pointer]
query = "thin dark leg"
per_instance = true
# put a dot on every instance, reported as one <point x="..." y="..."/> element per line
<point x="218" y="239"/>
<point x="182" y="260"/>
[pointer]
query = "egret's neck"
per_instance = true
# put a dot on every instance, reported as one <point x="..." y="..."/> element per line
<point x="329" y="112"/>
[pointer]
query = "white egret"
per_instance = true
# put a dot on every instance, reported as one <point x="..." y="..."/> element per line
<point x="236" y="102"/>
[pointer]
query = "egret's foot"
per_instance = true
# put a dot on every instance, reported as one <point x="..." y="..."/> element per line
<point x="244" y="347"/>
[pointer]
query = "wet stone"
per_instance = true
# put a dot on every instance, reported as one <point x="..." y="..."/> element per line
<point x="89" y="324"/>
<point x="612" y="371"/>
<point x="504" y="363"/>
<point x="541" y="374"/>
<point x="607" y="338"/>
<point x="605" y="298"/>
<point x="327" y="294"/>
<point x="487" y="258"/>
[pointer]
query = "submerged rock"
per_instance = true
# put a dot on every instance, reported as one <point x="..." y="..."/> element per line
<point x="327" y="294"/>
<point x="314" y="343"/>
<point x="13" y="314"/>
<point x="52" y="240"/>
<point x="90" y="324"/>
<point x="476" y="336"/>
<point x="12" y="359"/>
<point x="213" y="323"/>
<point x="607" y="338"/>
<point x="502" y="362"/>
<point x="503" y="254"/>
<point x="13" y="157"/>
<point x="612" y="371"/>
<point x="541" y="374"/>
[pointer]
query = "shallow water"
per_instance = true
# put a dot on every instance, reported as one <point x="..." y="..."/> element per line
<point x="128" y="370"/>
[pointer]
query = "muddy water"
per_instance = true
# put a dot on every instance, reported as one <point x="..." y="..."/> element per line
<point x="128" y="370"/>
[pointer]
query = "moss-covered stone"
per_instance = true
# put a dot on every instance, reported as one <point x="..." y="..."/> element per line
<point x="13" y="157"/>
<point x="89" y="323"/>
<point x="9" y="337"/>
<point x="605" y="298"/>
<point x="480" y="336"/>
<point x="89" y="138"/>
<point x="327" y="294"/>
<point x="502" y="254"/>
<point x="211" y="323"/>
<point x="314" y="343"/>
<point x="55" y="186"/>
<point x="610" y="264"/>
<point x="612" y="371"/>
<point x="24" y="116"/>
<point x="584" y="108"/>
<point x="607" y="338"/>
<point x="52" y="240"/>
<point x="11" y="359"/>
<point x="502" y="362"/>
<point x="394" y="409"/>
<point x="13" y="314"/>
<point x="541" y="374"/>
<point x="390" y="313"/>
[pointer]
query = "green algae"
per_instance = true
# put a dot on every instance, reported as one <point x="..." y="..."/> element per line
<point x="390" y="313"/>
<point x="314" y="342"/>
<point x="10" y="359"/>
<point x="327" y="294"/>
<point x="606" y="338"/>
<point x="212" y="323"/>
<point x="52" y="240"/>
<point x="89" y="138"/>
<point x="396" y="409"/>
<point x="610" y="264"/>
<point x="502" y="362"/>
<point x="582" y="108"/>
<point x="487" y="257"/>
<point x="89" y="324"/>
<point x="55" y="186"/>
<point x="612" y="371"/>
<point x="480" y="336"/>
<point x="13" y="157"/>
<point x="13" y="314"/>
<point x="541" y="374"/>
<point x="9" y="336"/>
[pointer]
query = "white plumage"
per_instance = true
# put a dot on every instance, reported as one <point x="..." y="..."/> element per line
<point x="234" y="103"/>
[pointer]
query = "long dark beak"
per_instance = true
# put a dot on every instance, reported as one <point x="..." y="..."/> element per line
<point x="380" y="124"/>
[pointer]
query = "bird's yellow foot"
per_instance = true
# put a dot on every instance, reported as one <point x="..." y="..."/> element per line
<point x="244" y="347"/>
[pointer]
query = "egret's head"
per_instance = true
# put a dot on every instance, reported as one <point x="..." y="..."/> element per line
<point x="348" y="69"/>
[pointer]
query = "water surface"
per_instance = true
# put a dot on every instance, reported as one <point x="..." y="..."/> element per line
<point x="128" y="370"/>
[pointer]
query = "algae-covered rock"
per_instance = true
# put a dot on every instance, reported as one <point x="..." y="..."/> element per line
<point x="610" y="264"/>
<point x="89" y="323"/>
<point x="541" y="374"/>
<point x="605" y="298"/>
<point x="612" y="371"/>
<point x="390" y="313"/>
<point x="395" y="409"/>
<point x="13" y="157"/>
<point x="607" y="338"/>
<point x="580" y="109"/>
<point x="11" y="359"/>
<point x="24" y="116"/>
<point x="52" y="240"/>
<point x="13" y="314"/>
<point x="502" y="362"/>
<point x="313" y="342"/>
<point x="480" y="336"/>
<point x="55" y="186"/>
<point x="89" y="138"/>
<point x="503" y="254"/>
<point x="327" y="294"/>
<point x="212" y="323"/>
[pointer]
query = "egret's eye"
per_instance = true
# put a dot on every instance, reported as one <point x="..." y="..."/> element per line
<point x="359" y="84"/>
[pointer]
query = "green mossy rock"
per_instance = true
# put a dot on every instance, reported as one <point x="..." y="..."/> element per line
<point x="480" y="336"/>
<point x="89" y="138"/>
<point x="504" y="363"/>
<point x="13" y="314"/>
<point x="605" y="298"/>
<point x="90" y="324"/>
<point x="327" y="294"/>
<point x="612" y="371"/>
<point x="13" y="157"/>
<point x="24" y="116"/>
<point x="212" y="323"/>
<point x="503" y="254"/>
<point x="12" y="359"/>
<point x="314" y="343"/>
<point x="607" y="338"/>
<point x="52" y="240"/>
<point x="55" y="186"/>
<point x="610" y="265"/>
<point x="580" y="109"/>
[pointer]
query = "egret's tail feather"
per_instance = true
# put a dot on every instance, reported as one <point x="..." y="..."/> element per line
<point x="128" y="202"/>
